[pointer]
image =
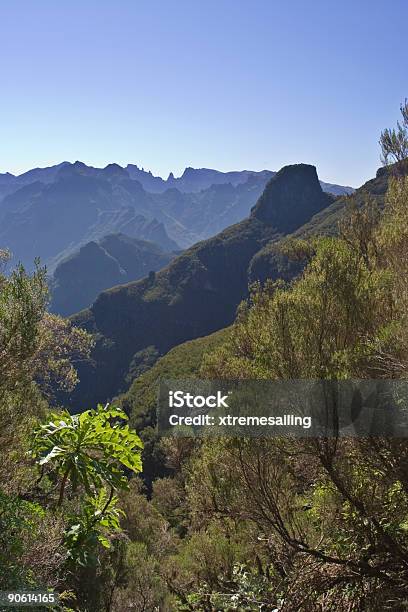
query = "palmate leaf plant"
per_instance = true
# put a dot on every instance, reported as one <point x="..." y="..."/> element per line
<point x="88" y="449"/>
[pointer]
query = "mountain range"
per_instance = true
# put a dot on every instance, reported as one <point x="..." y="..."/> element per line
<point x="52" y="212"/>
<point x="192" y="180"/>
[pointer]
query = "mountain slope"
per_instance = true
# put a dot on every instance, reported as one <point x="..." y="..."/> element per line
<point x="114" y="260"/>
<point x="327" y="221"/>
<point x="197" y="294"/>
<point x="140" y="401"/>
<point x="269" y="262"/>
<point x="183" y="361"/>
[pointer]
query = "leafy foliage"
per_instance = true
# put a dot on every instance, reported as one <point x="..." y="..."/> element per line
<point x="99" y="519"/>
<point x="19" y="519"/>
<point x="42" y="546"/>
<point x="394" y="141"/>
<point x="88" y="449"/>
<point x="22" y="303"/>
<point x="283" y="524"/>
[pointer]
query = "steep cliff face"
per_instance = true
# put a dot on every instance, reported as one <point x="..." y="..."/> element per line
<point x="197" y="294"/>
<point x="291" y="198"/>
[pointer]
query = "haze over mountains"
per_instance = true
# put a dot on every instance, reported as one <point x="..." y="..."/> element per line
<point x="51" y="212"/>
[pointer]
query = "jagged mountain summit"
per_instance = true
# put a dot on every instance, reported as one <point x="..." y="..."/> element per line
<point x="194" y="180"/>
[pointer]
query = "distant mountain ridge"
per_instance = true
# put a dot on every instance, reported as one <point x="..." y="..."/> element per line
<point x="51" y="212"/>
<point x="191" y="181"/>
<point x="197" y="179"/>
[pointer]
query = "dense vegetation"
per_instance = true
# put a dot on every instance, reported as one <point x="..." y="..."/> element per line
<point x="297" y="525"/>
<point x="114" y="522"/>
<point x="59" y="473"/>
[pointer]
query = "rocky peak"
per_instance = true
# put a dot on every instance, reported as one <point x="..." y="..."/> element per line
<point x="69" y="170"/>
<point x="188" y="172"/>
<point x="114" y="170"/>
<point x="291" y="198"/>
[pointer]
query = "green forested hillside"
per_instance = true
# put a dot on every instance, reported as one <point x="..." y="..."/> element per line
<point x="270" y="262"/>
<point x="182" y="361"/>
<point x="226" y="524"/>
<point x="140" y="401"/>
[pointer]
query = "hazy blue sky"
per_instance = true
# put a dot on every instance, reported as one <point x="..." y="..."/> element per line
<point x="228" y="84"/>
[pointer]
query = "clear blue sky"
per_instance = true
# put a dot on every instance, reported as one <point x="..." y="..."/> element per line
<point x="227" y="84"/>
